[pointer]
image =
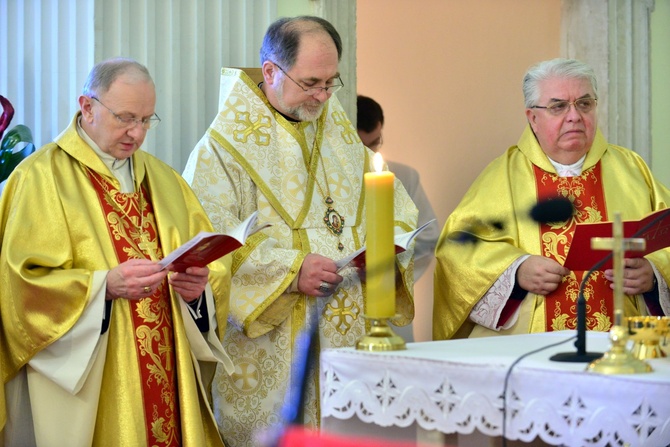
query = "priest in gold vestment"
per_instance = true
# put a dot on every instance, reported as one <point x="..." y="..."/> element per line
<point x="287" y="150"/>
<point x="100" y="345"/>
<point x="509" y="277"/>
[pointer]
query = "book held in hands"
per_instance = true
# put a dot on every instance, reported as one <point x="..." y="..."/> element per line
<point x="653" y="228"/>
<point x="207" y="247"/>
<point x="401" y="241"/>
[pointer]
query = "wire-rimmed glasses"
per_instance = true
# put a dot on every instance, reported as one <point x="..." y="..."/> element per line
<point x="329" y="89"/>
<point x="558" y="108"/>
<point x="127" y="122"/>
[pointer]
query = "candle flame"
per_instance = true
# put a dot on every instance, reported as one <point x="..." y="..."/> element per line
<point x="378" y="162"/>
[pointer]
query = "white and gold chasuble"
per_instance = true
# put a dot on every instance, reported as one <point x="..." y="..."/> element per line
<point x="48" y="284"/>
<point x="252" y="158"/>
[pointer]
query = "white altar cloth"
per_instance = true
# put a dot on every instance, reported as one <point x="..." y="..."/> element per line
<point x="456" y="386"/>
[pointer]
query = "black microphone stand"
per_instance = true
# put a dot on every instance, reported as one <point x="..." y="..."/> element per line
<point x="581" y="356"/>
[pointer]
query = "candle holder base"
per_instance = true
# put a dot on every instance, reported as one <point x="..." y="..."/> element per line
<point x="619" y="360"/>
<point x="380" y="337"/>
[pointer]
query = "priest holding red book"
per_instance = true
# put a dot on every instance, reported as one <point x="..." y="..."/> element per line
<point x="511" y="278"/>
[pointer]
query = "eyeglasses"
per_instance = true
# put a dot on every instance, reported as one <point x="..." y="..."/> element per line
<point x="330" y="89"/>
<point x="558" y="108"/>
<point x="127" y="122"/>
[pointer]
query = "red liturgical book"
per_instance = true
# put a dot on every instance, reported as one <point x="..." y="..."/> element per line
<point x="401" y="241"/>
<point x="654" y="228"/>
<point x="208" y="247"/>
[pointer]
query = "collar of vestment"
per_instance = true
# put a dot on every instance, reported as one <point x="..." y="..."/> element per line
<point x="79" y="147"/>
<point x="264" y="142"/>
<point x="121" y="169"/>
<point x="530" y="147"/>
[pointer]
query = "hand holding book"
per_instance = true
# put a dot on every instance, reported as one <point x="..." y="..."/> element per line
<point x="207" y="247"/>
<point x="402" y="241"/>
<point x="654" y="228"/>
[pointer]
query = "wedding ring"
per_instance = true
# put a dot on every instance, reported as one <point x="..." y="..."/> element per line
<point x="324" y="287"/>
<point x="147" y="289"/>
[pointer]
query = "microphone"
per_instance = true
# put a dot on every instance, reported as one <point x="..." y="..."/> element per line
<point x="557" y="209"/>
<point x="580" y="343"/>
<point x="475" y="231"/>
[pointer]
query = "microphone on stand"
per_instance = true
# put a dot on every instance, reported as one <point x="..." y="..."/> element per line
<point x="559" y="210"/>
<point x="582" y="355"/>
<point x="546" y="211"/>
<point x="552" y="210"/>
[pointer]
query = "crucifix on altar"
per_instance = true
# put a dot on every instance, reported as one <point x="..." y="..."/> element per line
<point x="618" y="360"/>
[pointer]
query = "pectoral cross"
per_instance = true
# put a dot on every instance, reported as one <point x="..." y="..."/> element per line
<point x="147" y="246"/>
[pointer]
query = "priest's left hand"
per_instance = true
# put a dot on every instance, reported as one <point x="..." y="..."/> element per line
<point x="191" y="283"/>
<point x="638" y="276"/>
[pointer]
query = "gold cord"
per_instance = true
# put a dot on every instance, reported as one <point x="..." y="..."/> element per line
<point x="333" y="220"/>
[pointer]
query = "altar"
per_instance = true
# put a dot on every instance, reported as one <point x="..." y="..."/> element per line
<point x="464" y="390"/>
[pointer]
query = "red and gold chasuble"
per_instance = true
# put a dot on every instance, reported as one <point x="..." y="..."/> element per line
<point x="132" y="228"/>
<point x="586" y="194"/>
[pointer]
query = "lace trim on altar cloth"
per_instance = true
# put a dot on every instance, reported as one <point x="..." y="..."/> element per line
<point x="562" y="410"/>
<point x="488" y="309"/>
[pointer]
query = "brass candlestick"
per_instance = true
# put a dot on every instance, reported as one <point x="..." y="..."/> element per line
<point x="380" y="337"/>
<point x="618" y="360"/>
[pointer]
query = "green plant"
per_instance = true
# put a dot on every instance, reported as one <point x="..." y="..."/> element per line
<point x="11" y="153"/>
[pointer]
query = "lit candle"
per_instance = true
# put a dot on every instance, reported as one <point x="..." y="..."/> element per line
<point x="380" y="251"/>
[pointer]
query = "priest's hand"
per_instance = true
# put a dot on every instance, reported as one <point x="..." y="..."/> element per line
<point x="134" y="279"/>
<point x="191" y="283"/>
<point x="318" y="276"/>
<point x="540" y="275"/>
<point x="638" y="276"/>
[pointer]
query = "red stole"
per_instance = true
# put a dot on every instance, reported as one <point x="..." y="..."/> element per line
<point x="132" y="228"/>
<point x="586" y="194"/>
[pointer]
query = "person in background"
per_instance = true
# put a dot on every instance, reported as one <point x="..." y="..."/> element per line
<point x="101" y="345"/>
<point x="511" y="278"/>
<point x="370" y="125"/>
<point x="286" y="149"/>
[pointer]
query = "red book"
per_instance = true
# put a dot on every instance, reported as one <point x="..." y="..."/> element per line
<point x="654" y="229"/>
<point x="401" y="241"/>
<point x="208" y="247"/>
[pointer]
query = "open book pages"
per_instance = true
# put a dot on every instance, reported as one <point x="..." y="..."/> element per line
<point x="207" y="247"/>
<point x="401" y="241"/>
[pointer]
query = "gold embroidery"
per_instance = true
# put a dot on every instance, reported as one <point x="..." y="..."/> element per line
<point x="252" y="128"/>
<point x="349" y="134"/>
<point x="342" y="314"/>
<point x="585" y="192"/>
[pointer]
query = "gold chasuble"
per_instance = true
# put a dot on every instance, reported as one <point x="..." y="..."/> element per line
<point x="252" y="158"/>
<point x="613" y="179"/>
<point x="145" y="380"/>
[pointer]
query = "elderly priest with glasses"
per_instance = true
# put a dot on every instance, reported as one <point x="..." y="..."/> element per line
<point x="100" y="346"/>
<point x="286" y="149"/>
<point x="507" y="276"/>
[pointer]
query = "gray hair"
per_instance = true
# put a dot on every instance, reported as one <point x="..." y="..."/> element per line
<point x="104" y="73"/>
<point x="282" y="39"/>
<point x="555" y="68"/>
